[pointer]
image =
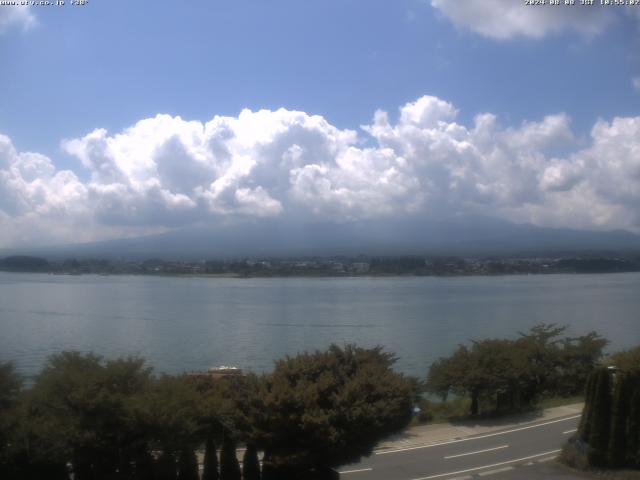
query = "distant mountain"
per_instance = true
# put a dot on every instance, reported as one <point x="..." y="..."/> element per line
<point x="459" y="236"/>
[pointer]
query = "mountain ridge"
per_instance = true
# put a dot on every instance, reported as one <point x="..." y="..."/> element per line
<point x="272" y="238"/>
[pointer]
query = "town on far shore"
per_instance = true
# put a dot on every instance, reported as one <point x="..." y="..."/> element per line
<point x="338" y="266"/>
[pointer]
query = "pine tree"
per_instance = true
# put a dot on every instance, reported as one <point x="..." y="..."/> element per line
<point x="268" y="471"/>
<point x="620" y="416"/>
<point x="633" y="429"/>
<point x="210" y="460"/>
<point x="144" y="464"/>
<point x="229" y="466"/>
<point x="188" y="465"/>
<point x="251" y="464"/>
<point x="166" y="467"/>
<point x="587" y="412"/>
<point x="601" y="420"/>
<point x="43" y="469"/>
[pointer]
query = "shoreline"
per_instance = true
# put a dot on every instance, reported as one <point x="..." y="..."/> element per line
<point x="232" y="275"/>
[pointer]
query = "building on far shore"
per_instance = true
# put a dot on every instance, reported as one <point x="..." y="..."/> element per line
<point x="215" y="373"/>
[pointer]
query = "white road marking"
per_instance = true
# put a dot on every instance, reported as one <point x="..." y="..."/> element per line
<point x="356" y="471"/>
<point x="479" y="451"/>
<point x="386" y="452"/>
<point x="487" y="466"/>
<point x="547" y="459"/>
<point x="497" y="470"/>
<point x="570" y="431"/>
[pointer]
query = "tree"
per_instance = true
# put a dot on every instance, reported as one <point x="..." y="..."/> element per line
<point x="632" y="457"/>
<point x="491" y="371"/>
<point x="497" y="373"/>
<point x="210" y="471"/>
<point x="508" y="374"/>
<point x="445" y="373"/>
<point x="229" y="466"/>
<point x="168" y="413"/>
<point x="577" y="359"/>
<point x="611" y="422"/>
<point x="326" y="409"/>
<point x="600" y="424"/>
<point x="79" y="410"/>
<point x="166" y="468"/>
<point x="188" y="465"/>
<point x="144" y="465"/>
<point x="24" y="263"/>
<point x="587" y="412"/>
<point x="627" y="361"/>
<point x="250" y="464"/>
<point x="68" y="412"/>
<point x="541" y="347"/>
<point x="10" y="389"/>
<point x="619" y="419"/>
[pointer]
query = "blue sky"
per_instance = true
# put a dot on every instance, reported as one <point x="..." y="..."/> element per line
<point x="67" y="71"/>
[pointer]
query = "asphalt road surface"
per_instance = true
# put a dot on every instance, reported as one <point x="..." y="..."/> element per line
<point x="468" y="457"/>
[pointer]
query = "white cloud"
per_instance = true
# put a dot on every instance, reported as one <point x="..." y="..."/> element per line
<point x="503" y="19"/>
<point x="165" y="172"/>
<point x="38" y="201"/>
<point x="18" y="16"/>
<point x="636" y="83"/>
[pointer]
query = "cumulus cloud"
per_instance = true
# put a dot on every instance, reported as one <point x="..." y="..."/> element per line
<point x="503" y="19"/>
<point x="166" y="172"/>
<point x="18" y="16"/>
<point x="36" y="199"/>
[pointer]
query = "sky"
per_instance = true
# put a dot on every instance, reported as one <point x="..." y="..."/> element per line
<point x="122" y="118"/>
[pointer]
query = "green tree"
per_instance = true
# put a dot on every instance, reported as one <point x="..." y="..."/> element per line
<point x="188" y="465"/>
<point x="166" y="467"/>
<point x="229" y="466"/>
<point x="541" y="346"/>
<point x="326" y="409"/>
<point x="69" y="411"/>
<point x="10" y="389"/>
<point x="492" y="372"/>
<point x="504" y="374"/>
<point x="627" y="361"/>
<point x="168" y="413"/>
<point x="632" y="457"/>
<point x="210" y="471"/>
<point x="610" y="421"/>
<point x="587" y="413"/>
<point x="24" y="263"/>
<point x="601" y="419"/>
<point x="497" y="371"/>
<point x="250" y="463"/>
<point x="446" y="372"/>
<point x="79" y="411"/>
<point x="577" y="359"/>
<point x="144" y="465"/>
<point x="619" y="417"/>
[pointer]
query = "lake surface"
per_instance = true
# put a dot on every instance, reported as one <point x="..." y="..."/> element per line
<point x="183" y="324"/>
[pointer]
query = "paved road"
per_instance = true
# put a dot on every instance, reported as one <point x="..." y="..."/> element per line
<point x="468" y="457"/>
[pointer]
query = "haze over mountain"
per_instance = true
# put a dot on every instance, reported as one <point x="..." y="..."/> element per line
<point x="273" y="238"/>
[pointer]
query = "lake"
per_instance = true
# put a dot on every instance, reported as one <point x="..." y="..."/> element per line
<point x="191" y="323"/>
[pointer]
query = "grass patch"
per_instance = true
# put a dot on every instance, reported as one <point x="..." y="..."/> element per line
<point x="553" y="402"/>
<point x="438" y="412"/>
<point x="458" y="408"/>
